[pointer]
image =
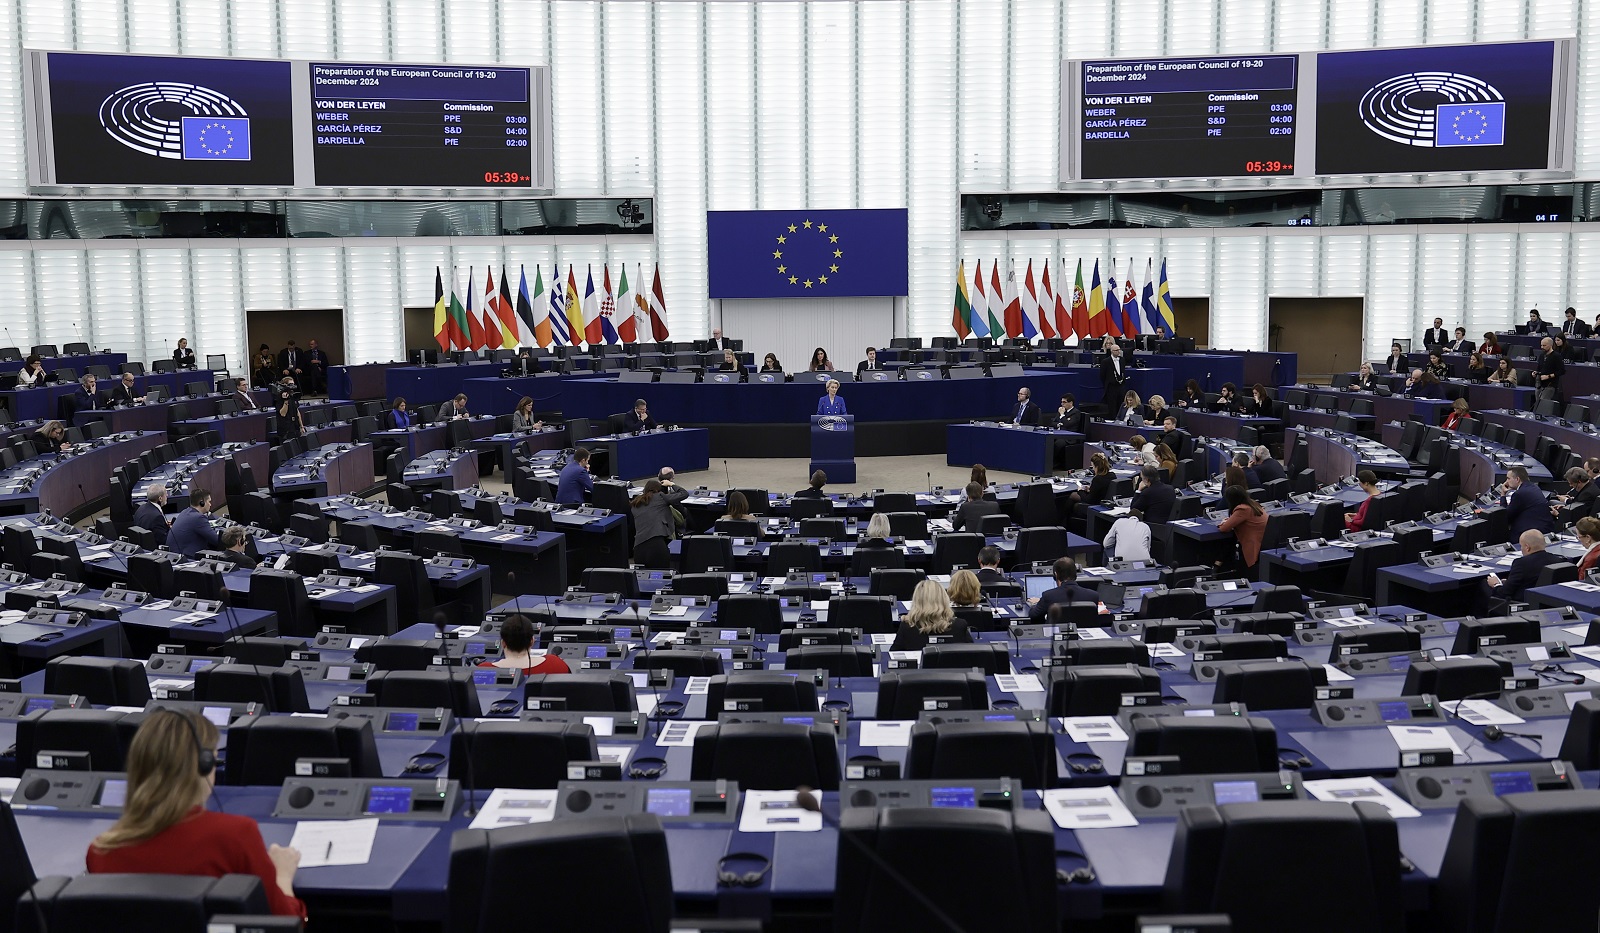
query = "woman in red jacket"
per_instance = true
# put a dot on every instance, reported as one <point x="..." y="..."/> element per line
<point x="516" y="650"/>
<point x="165" y="829"/>
<point x="1588" y="532"/>
<point x="1357" y="520"/>
<point x="1459" y="412"/>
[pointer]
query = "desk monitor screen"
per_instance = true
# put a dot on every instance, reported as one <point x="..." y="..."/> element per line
<point x="800" y="720"/>
<point x="1037" y="583"/>
<point x="724" y="652"/>
<point x="401" y="722"/>
<point x="1235" y="792"/>
<point x="339" y="672"/>
<point x="953" y="797"/>
<point x="1140" y="592"/>
<point x="1113" y="594"/>
<point x="476" y="647"/>
<point x="595" y="651"/>
<point x="1400" y="663"/>
<point x="386" y="799"/>
<point x="38" y="703"/>
<point x="483" y="677"/>
<point x="196" y="664"/>
<point x="667" y="801"/>
<point x="219" y="716"/>
<point x="622" y="633"/>
<point x="113" y="793"/>
<point x="1394" y="710"/>
<point x="1510" y="782"/>
<point x="999" y="717"/>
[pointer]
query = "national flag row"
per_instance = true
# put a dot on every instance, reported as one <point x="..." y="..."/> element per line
<point x="560" y="315"/>
<point x="1001" y="307"/>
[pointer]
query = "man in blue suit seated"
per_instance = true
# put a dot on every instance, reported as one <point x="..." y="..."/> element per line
<point x="191" y="530"/>
<point x="1424" y="385"/>
<point x="639" y="418"/>
<point x="150" y="515"/>
<point x="1524" y="570"/>
<point x="575" y="485"/>
<point x="1526" y="508"/>
<point x="1065" y="591"/>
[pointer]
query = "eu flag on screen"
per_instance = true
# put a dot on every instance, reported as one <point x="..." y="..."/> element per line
<point x="1481" y="124"/>
<point x="806" y="254"/>
<point x="216" y="139"/>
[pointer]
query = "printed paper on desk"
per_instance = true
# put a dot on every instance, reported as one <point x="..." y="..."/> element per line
<point x="367" y="588"/>
<point x="1592" y="652"/>
<point x="1335" y="675"/>
<point x="1582" y="587"/>
<point x="1087" y="808"/>
<point x="334" y="842"/>
<point x="1484" y="713"/>
<point x="776" y="811"/>
<point x="1018" y="683"/>
<point x="883" y="638"/>
<point x="1361" y="790"/>
<point x="510" y="806"/>
<point x="1165" y="650"/>
<point x="1580" y="631"/>
<point x="886" y="733"/>
<point x="1413" y="738"/>
<point x="670" y="611"/>
<point x="1096" y="571"/>
<point x="509" y="536"/>
<point x="603" y="725"/>
<point x="698" y="686"/>
<point x="1085" y="729"/>
<point x="647" y="701"/>
<point x="680" y="733"/>
<point x="1588" y="672"/>
<point x="616" y="753"/>
<point x="195" y="617"/>
<point x="1089" y="634"/>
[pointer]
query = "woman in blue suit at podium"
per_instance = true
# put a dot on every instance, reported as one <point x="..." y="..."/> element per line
<point x="831" y="404"/>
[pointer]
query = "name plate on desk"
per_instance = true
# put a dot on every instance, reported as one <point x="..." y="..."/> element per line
<point x="715" y="802"/>
<point x="987" y="794"/>
<point x="1444" y="788"/>
<point x="310" y="798"/>
<point x="1166" y="795"/>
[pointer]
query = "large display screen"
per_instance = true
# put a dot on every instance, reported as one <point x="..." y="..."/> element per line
<point x="164" y="121"/>
<point x="402" y="126"/>
<point x="1189" y="117"/>
<point x="1459" y="108"/>
<point x="156" y="120"/>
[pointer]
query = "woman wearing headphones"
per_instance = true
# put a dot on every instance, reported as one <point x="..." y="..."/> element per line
<point x="165" y="827"/>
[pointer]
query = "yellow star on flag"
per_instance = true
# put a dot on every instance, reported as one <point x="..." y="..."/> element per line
<point x="793" y="280"/>
<point x="808" y="225"/>
<point x="782" y="269"/>
<point x="833" y="268"/>
<point x="782" y="238"/>
<point x="823" y="279"/>
<point x="822" y="227"/>
<point x="837" y="253"/>
<point x="777" y="254"/>
<point x="808" y="283"/>
<point x="834" y="238"/>
<point x="791" y="228"/>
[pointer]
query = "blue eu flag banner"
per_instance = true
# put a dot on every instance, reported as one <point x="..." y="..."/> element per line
<point x="806" y="254"/>
<point x="1480" y="124"/>
<point x="216" y="139"/>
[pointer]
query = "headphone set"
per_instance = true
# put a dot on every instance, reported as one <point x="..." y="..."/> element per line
<point x="1558" y="674"/>
<point x="1495" y="734"/>
<point x="648" y="769"/>
<point x="1084" y="875"/>
<point x="505" y="707"/>
<point x="1292" y="760"/>
<point x="1086" y="763"/>
<point x="424" y="763"/>
<point x="742" y="879"/>
<point x="206" y="757"/>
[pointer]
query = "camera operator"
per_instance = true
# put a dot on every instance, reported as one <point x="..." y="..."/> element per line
<point x="286" y="398"/>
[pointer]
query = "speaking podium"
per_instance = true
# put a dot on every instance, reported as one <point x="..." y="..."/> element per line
<point x="833" y="447"/>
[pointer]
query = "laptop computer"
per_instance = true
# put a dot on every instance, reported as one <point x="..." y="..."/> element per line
<point x="1035" y="584"/>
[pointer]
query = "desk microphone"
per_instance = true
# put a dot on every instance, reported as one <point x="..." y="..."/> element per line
<point x="806" y="800"/>
<point x="727" y="475"/>
<point x="439" y="621"/>
<point x="930" y="482"/>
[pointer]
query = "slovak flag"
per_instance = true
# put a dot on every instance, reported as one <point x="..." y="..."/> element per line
<point x="1130" y="305"/>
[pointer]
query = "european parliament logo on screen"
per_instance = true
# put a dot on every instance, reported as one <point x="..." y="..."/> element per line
<point x="806" y="254"/>
<point x="1434" y="108"/>
<point x="153" y="118"/>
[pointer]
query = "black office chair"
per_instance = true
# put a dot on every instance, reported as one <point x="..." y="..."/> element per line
<point x="1102" y="651"/>
<point x="1377" y="638"/>
<point x="953" y="549"/>
<point x="1279" y="599"/>
<point x="901" y="693"/>
<point x="989" y="657"/>
<point x="152" y="575"/>
<point x="759" y="500"/>
<point x="1498" y="874"/>
<point x="589" y="691"/>
<point x="682" y="662"/>
<point x="19" y="877"/>
<point x="1361" y="579"/>
<point x="1182" y="603"/>
<point x="865" y="560"/>
<point x="1262" y="685"/>
<point x="104" y="734"/>
<point x="911" y="525"/>
<point x="1040" y="545"/>
<point x="1580" y="745"/>
<point x="785" y="556"/>
<point x="1022" y="751"/>
<point x="712" y="585"/>
<point x="702" y="553"/>
<point x="433" y="542"/>
<point x="101" y="681"/>
<point x="800" y="509"/>
<point x="1008" y="879"/>
<point x="263" y="750"/>
<point x="1470" y="633"/>
<point x="1259" y="862"/>
<point x="899" y="584"/>
<point x="1207" y="746"/>
<point x="284" y="593"/>
<point x="451" y="690"/>
<point x="831" y="528"/>
<point x="263" y="650"/>
<point x="1036" y="504"/>
<point x="767" y="755"/>
<point x="139" y="903"/>
<point x="519" y="754"/>
<point x="490" y="872"/>
<point x="620" y="580"/>
<point x="778" y="692"/>
<point x="834" y="660"/>
<point x="759" y="611"/>
<point x="1097" y="690"/>
<point x="413" y="593"/>
<point x="1455" y="678"/>
<point x="871" y="614"/>
<point x="280" y="690"/>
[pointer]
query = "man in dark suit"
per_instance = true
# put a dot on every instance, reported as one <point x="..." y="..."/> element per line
<point x="316" y="367"/>
<point x="870" y="363"/>
<point x="1549" y="370"/>
<point x="1267" y="469"/>
<point x="123" y="393"/>
<point x="241" y="396"/>
<point x="1461" y="344"/>
<point x="150" y="515"/>
<point x="638" y="419"/>
<point x="575" y="484"/>
<point x="1113" y="377"/>
<point x="191" y="530"/>
<point x="233" y="543"/>
<point x="1574" y="327"/>
<point x="1584" y="498"/>
<point x="1065" y="591"/>
<point x="1536" y="324"/>
<point x="1435" y="336"/>
<point x="969" y="516"/>
<point x="989" y="565"/>
<point x="819" y="479"/>
<point x="1227" y="400"/>
<point x="291" y="361"/>
<point x="1069" y="417"/>
<point x="1525" y="569"/>
<point x="718" y="342"/>
<point x="1154" y="499"/>
<point x="1170" y="435"/>
<point x="1242" y="460"/>
<point x="87" y="398"/>
<point x="1526" y="508"/>
<point x="1024" y="412"/>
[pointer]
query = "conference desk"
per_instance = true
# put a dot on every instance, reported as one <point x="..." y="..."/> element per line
<point x="505" y="446"/>
<point x="74" y="483"/>
<point x="1217" y="424"/>
<point x="240" y="427"/>
<point x="75" y="361"/>
<point x="359" y="381"/>
<point x="419" y="439"/>
<point x="1582" y="437"/>
<point x="442" y="469"/>
<point x="343" y="469"/>
<point x="207" y="469"/>
<point x="637" y="456"/>
<point x="1429" y="411"/>
<point x="499" y="395"/>
<point x="44" y="402"/>
<point x="1002" y="446"/>
<point x="427" y="385"/>
<point x="1335" y="455"/>
<point x="1481" y="464"/>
